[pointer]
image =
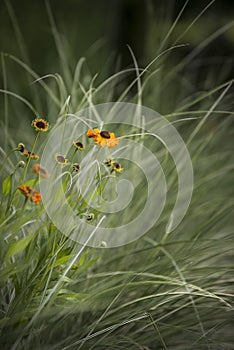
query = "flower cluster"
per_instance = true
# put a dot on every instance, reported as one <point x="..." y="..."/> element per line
<point x="22" y="150"/>
<point x="35" y="196"/>
<point x="102" y="138"/>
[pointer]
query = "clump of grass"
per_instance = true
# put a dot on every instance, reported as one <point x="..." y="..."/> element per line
<point x="163" y="291"/>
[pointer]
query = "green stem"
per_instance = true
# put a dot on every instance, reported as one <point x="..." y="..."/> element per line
<point x="69" y="169"/>
<point x="24" y="205"/>
<point x="29" y="158"/>
<point x="25" y="169"/>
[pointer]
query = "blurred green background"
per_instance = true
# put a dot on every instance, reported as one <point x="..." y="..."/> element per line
<point x="100" y="31"/>
<point x="51" y="37"/>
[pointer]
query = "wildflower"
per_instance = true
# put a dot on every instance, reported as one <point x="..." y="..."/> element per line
<point x="90" y="217"/>
<point x="60" y="159"/>
<point x="40" y="170"/>
<point x="103" y="138"/>
<point x="78" y="145"/>
<point x="26" y="190"/>
<point x="30" y="193"/>
<point x="76" y="167"/>
<point x="36" y="197"/>
<point x="21" y="148"/>
<point x="40" y="125"/>
<point x="115" y="166"/>
<point x="28" y="154"/>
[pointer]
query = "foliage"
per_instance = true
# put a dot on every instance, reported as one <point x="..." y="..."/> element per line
<point x="163" y="291"/>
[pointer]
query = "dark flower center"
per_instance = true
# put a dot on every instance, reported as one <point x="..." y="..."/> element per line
<point x="41" y="125"/>
<point x="42" y="171"/>
<point x="79" y="144"/>
<point x="105" y="134"/>
<point x="60" y="159"/>
<point x="76" y="167"/>
<point x="21" y="148"/>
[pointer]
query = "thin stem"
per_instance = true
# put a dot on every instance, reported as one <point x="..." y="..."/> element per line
<point x="29" y="158"/>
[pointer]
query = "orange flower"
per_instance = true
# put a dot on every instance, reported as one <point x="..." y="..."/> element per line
<point x="36" y="197"/>
<point x="26" y="190"/>
<point x="103" y="138"/>
<point x="33" y="155"/>
<point x="40" y="170"/>
<point x="30" y="193"/>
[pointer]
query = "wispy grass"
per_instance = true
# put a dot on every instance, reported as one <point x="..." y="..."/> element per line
<point x="164" y="291"/>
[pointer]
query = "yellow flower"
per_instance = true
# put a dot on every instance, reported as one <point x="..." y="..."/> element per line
<point x="40" y="170"/>
<point x="78" y="145"/>
<point x="60" y="159"/>
<point x="115" y="166"/>
<point x="40" y="125"/>
<point x="103" y="138"/>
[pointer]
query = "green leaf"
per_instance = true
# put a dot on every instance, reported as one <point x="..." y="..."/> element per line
<point x="62" y="260"/>
<point x="18" y="246"/>
<point x="6" y="186"/>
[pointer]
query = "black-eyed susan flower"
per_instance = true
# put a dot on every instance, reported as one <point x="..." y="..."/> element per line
<point x="40" y="125"/>
<point x="21" y="148"/>
<point x="76" y="167"/>
<point x="41" y="171"/>
<point x="60" y="159"/>
<point x="115" y="166"/>
<point x="78" y="145"/>
<point x="30" y="193"/>
<point x="103" y="138"/>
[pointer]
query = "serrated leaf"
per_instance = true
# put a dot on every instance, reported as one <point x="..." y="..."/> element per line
<point x="6" y="186"/>
<point x="18" y="246"/>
